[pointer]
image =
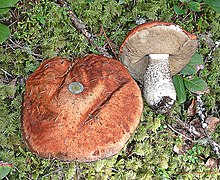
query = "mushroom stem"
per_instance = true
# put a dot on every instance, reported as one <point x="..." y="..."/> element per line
<point x="159" y="90"/>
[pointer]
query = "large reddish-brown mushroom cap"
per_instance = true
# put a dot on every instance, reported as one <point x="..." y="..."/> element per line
<point x="157" y="38"/>
<point x="88" y="126"/>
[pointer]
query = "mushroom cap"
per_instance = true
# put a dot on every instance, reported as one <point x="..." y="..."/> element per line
<point x="157" y="38"/>
<point x="88" y="126"/>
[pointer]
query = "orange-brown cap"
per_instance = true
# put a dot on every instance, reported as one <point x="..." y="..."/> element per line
<point x="93" y="124"/>
<point x="157" y="38"/>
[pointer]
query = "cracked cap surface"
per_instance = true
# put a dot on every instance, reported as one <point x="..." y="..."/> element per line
<point x="92" y="125"/>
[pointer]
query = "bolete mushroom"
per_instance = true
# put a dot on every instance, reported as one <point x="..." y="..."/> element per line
<point x="153" y="52"/>
<point x="83" y="112"/>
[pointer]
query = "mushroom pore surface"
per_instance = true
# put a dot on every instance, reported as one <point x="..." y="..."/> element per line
<point x="159" y="38"/>
<point x="153" y="52"/>
<point x="93" y="124"/>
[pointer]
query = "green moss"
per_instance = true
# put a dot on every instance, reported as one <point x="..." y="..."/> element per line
<point x="43" y="30"/>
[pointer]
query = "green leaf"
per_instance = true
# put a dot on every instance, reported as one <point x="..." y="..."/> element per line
<point x="178" y="10"/>
<point x="195" y="6"/>
<point x="4" y="169"/>
<point x="197" y="59"/>
<point x="4" y="33"/>
<point x="214" y="4"/>
<point x="7" y="3"/>
<point x="195" y="84"/>
<point x="180" y="88"/>
<point x="121" y="2"/>
<point x="41" y="19"/>
<point x="184" y="1"/>
<point x="188" y="70"/>
<point x="4" y="10"/>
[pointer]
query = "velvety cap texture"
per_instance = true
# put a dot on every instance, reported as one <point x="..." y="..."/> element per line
<point x="93" y="124"/>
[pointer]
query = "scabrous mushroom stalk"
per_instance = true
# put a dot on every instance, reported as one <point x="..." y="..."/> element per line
<point x="159" y="90"/>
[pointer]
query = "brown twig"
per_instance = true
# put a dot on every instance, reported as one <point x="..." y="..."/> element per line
<point x="15" y="45"/>
<point x="53" y="172"/>
<point x="202" y="116"/>
<point x="82" y="28"/>
<point x="174" y="130"/>
<point x="187" y="126"/>
<point x="190" y="128"/>
<point x="217" y="44"/>
<point x="109" y="43"/>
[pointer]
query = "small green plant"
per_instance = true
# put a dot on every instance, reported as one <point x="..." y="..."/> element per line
<point x="163" y="173"/>
<point x="4" y="8"/>
<point x="214" y="4"/>
<point x="43" y="31"/>
<point x="189" y="80"/>
<point x="192" y="155"/>
<point x="185" y="5"/>
<point x="5" y="168"/>
<point x="196" y="6"/>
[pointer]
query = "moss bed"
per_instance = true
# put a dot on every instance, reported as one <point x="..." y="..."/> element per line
<point x="41" y="29"/>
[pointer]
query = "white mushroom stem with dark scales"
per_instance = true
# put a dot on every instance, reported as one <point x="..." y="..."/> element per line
<point x="162" y="48"/>
<point x="159" y="90"/>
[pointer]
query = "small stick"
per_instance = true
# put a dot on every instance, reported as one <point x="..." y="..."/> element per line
<point x="23" y="48"/>
<point x="179" y="133"/>
<point x="217" y="44"/>
<point x="82" y="28"/>
<point x="6" y="72"/>
<point x="202" y="116"/>
<point x="190" y="128"/>
<point x="109" y="43"/>
<point x="53" y="172"/>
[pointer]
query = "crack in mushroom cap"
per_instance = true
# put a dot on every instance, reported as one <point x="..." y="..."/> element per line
<point x="157" y="38"/>
<point x="92" y="125"/>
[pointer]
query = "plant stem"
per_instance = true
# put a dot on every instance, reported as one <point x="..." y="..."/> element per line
<point x="202" y="116"/>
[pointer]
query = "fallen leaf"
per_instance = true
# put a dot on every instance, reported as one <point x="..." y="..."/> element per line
<point x="192" y="108"/>
<point x="182" y="149"/>
<point x="196" y="123"/>
<point x="212" y="122"/>
<point x="5" y="168"/>
<point x="178" y="149"/>
<point x="211" y="163"/>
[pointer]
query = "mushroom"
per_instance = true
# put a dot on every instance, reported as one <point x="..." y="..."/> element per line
<point x="83" y="112"/>
<point x="153" y="52"/>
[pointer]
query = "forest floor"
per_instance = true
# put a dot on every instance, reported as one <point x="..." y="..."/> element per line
<point x="162" y="147"/>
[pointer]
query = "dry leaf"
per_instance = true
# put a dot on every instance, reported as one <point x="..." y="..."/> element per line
<point x="178" y="149"/>
<point x="198" y="127"/>
<point x="211" y="163"/>
<point x="182" y="149"/>
<point x="192" y="108"/>
<point x="212" y="122"/>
